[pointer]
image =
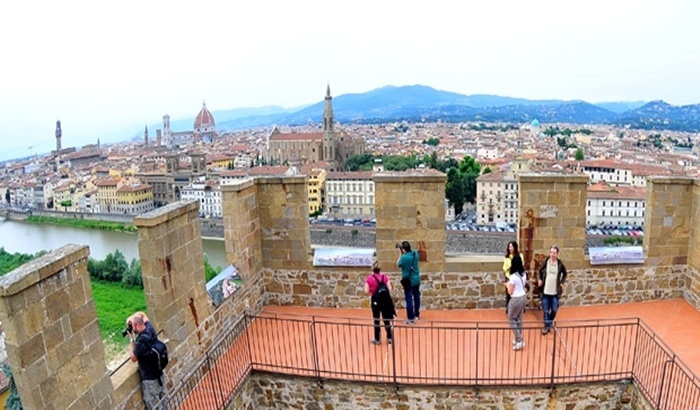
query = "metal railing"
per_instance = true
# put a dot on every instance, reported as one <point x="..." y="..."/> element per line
<point x="439" y="353"/>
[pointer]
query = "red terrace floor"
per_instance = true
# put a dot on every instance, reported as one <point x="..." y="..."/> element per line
<point x="345" y="352"/>
<point x="675" y="321"/>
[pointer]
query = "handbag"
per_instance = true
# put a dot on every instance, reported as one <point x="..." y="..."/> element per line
<point x="406" y="283"/>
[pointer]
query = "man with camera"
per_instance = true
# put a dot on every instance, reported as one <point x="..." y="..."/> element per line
<point x="142" y="335"/>
<point x="410" y="280"/>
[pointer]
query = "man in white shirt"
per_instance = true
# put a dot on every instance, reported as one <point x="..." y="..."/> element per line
<point x="552" y="275"/>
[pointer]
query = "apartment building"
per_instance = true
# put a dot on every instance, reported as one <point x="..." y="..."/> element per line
<point x="208" y="193"/>
<point x="133" y="199"/>
<point x="609" y="205"/>
<point x="106" y="195"/>
<point x="315" y="185"/>
<point x="350" y="195"/>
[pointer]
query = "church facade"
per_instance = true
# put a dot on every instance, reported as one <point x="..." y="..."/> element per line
<point x="331" y="145"/>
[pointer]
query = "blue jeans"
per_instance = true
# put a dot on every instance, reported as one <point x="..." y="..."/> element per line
<point x="412" y="295"/>
<point x="550" y="305"/>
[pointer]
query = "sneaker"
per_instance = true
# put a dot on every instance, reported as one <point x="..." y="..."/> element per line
<point x="518" y="345"/>
<point x="513" y="342"/>
<point x="409" y="322"/>
<point x="390" y="341"/>
<point x="545" y="330"/>
<point x="375" y="342"/>
<point x="416" y="319"/>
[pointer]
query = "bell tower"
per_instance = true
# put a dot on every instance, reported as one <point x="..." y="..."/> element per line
<point x="328" y="132"/>
<point x="59" y="133"/>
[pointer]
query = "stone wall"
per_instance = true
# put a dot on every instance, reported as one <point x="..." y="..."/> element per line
<point x="409" y="206"/>
<point x="54" y="345"/>
<point x="276" y="391"/>
<point x="478" y="285"/>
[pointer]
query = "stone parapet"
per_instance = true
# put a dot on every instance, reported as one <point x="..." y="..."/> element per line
<point x="283" y="211"/>
<point x="170" y="248"/>
<point x="694" y="240"/>
<point x="53" y="342"/>
<point x="668" y="220"/>
<point x="410" y="206"/>
<point x="552" y="211"/>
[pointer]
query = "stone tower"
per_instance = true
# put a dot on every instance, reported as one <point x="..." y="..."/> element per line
<point x="328" y="133"/>
<point x="166" y="129"/>
<point x="145" y="135"/>
<point x="58" y="135"/>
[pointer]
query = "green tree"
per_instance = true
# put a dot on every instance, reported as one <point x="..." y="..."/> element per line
<point x="579" y="155"/>
<point x="454" y="189"/>
<point x="7" y="196"/>
<point x="359" y="162"/>
<point x="469" y="166"/>
<point x="133" y="276"/>
<point x="469" y="188"/>
<point x="399" y="162"/>
<point x="434" y="161"/>
<point x="432" y="141"/>
<point x="114" y="266"/>
<point x="210" y="271"/>
<point x="487" y="170"/>
<point x="12" y="402"/>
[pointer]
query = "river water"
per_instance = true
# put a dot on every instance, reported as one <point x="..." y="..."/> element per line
<point x="24" y="237"/>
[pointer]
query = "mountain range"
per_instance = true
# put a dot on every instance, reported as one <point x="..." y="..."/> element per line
<point x="422" y="103"/>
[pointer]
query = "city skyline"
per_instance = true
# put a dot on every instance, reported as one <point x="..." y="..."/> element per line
<point x="107" y="75"/>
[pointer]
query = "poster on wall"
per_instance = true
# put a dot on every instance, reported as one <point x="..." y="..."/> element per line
<point x="224" y="285"/>
<point x="616" y="255"/>
<point x="343" y="257"/>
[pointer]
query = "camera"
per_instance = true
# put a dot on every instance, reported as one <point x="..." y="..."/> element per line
<point x="129" y="328"/>
<point x="398" y="246"/>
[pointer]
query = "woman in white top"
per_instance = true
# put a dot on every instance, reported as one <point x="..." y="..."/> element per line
<point x="518" y="300"/>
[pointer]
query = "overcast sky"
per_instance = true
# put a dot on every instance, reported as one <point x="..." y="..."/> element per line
<point x="103" y="67"/>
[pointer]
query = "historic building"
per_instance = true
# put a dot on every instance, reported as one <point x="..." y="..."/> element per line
<point x="497" y="194"/>
<point x="615" y="205"/>
<point x="178" y="175"/>
<point x="296" y="149"/>
<point x="204" y="130"/>
<point x="350" y="195"/>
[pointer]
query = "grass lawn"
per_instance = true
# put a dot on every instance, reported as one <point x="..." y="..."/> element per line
<point x="114" y="303"/>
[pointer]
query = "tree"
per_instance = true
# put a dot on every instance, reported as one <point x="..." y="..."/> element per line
<point x="432" y="141"/>
<point x="469" y="166"/>
<point x="434" y="161"/>
<point x="579" y="155"/>
<point x="359" y="162"/>
<point x="487" y="170"/>
<point x="7" y="196"/>
<point x="210" y="271"/>
<point x="454" y="189"/>
<point x="133" y="275"/>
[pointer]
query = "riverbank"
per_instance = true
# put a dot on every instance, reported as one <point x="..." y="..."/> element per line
<point x="81" y="223"/>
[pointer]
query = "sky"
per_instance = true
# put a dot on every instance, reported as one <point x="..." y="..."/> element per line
<point x="106" y="69"/>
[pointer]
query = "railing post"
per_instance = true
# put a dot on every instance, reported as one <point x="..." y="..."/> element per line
<point x="554" y="359"/>
<point x="393" y="355"/>
<point x="247" y="339"/>
<point x="661" y="384"/>
<point x="476" y="362"/>
<point x="314" y="351"/>
<point x="214" y="387"/>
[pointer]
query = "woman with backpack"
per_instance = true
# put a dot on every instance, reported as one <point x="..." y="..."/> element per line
<point x="378" y="286"/>
<point x="518" y="300"/>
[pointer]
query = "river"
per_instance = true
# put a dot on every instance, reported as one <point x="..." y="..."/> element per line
<point x="24" y="237"/>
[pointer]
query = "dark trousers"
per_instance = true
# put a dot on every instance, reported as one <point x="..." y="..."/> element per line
<point x="550" y="306"/>
<point x="507" y="300"/>
<point x="387" y="313"/>
<point x="412" y="295"/>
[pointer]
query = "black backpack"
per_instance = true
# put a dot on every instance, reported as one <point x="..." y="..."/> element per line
<point x="161" y="352"/>
<point x="382" y="295"/>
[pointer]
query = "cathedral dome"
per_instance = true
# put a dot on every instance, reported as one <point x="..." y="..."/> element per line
<point x="204" y="121"/>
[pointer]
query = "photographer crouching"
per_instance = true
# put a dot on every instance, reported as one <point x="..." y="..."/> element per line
<point x="143" y="335"/>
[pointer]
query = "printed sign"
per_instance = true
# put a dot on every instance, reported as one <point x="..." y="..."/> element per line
<point x="616" y="255"/>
